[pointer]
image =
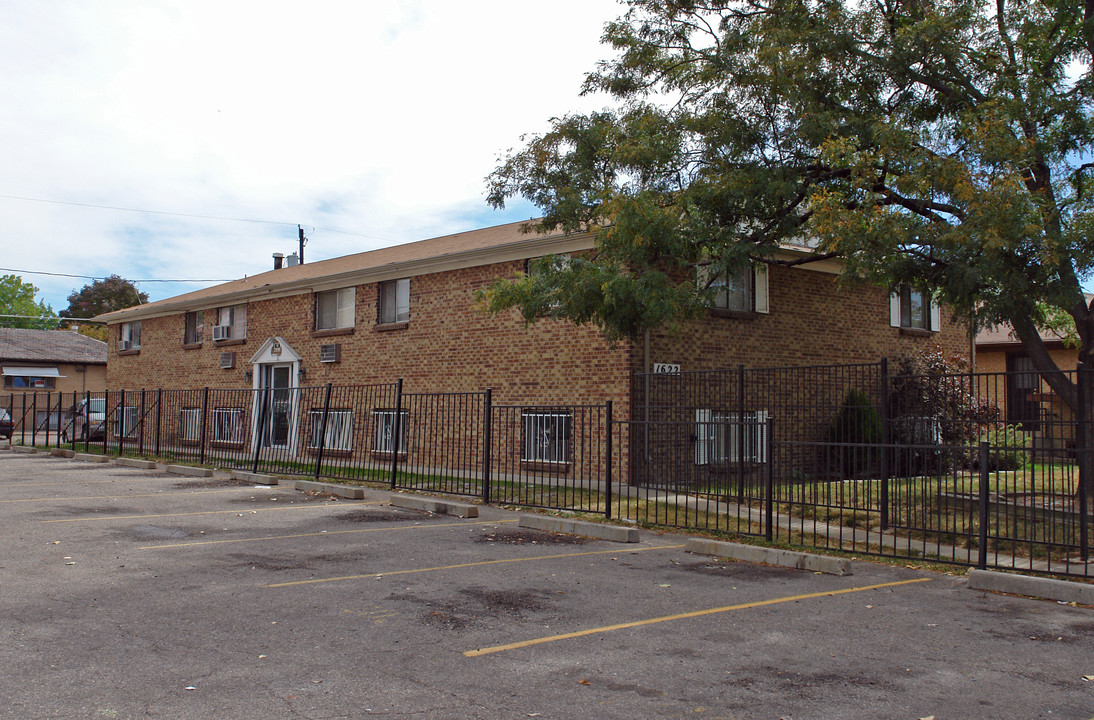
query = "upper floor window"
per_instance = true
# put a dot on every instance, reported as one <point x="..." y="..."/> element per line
<point x="334" y="309"/>
<point x="194" y="328"/>
<point x="743" y="290"/>
<point x="914" y="309"/>
<point x="231" y="323"/>
<point x="395" y="301"/>
<point x="129" y="336"/>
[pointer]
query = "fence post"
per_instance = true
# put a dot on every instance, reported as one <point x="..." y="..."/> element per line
<point x="322" y="433"/>
<point x="740" y="430"/>
<point x="769" y="480"/>
<point x="985" y="456"/>
<point x="204" y="419"/>
<point x="608" y="462"/>
<point x="885" y="445"/>
<point x="1082" y="452"/>
<point x="120" y="414"/>
<point x="140" y="437"/>
<point x="87" y="421"/>
<point x="395" y="430"/>
<point x="49" y="406"/>
<point x="60" y="415"/>
<point x="263" y="398"/>
<point x="105" y="424"/>
<point x="488" y="429"/>
<point x="34" y="419"/>
<point x="159" y="418"/>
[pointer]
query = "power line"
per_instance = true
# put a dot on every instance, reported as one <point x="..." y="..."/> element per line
<point x="95" y="277"/>
<point x="179" y="214"/>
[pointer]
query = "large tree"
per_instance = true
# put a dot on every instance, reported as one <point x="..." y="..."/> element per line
<point x="103" y="296"/>
<point x="20" y="308"/>
<point x="943" y="145"/>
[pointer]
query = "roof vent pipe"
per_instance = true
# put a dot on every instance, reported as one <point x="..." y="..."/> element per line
<point x="279" y="258"/>
<point x="292" y="260"/>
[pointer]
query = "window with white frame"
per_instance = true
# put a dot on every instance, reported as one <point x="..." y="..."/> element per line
<point x="546" y="436"/>
<point x="744" y="290"/>
<point x="194" y="327"/>
<point x="384" y="423"/>
<point x="394" y="301"/>
<point x="719" y="436"/>
<point x="914" y="309"/>
<point x="231" y="323"/>
<point x="339" y="433"/>
<point x="129" y="336"/>
<point x="190" y="424"/>
<point x="228" y="425"/>
<point x="125" y="422"/>
<point x="334" y="309"/>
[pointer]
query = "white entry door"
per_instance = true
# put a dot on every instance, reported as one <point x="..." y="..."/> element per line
<point x="275" y="381"/>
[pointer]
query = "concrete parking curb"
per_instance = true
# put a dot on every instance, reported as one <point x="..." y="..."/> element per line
<point x="350" y="492"/>
<point x="25" y="449"/>
<point x="770" y="556"/>
<point x="135" y="463"/>
<point x="433" y="505"/>
<point x="256" y="478"/>
<point x="63" y="453"/>
<point x="1039" y="587"/>
<point x="89" y="457"/>
<point x="550" y="523"/>
<point x="189" y="471"/>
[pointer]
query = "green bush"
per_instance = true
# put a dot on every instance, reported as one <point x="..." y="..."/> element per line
<point x="1009" y="447"/>
<point x="855" y="431"/>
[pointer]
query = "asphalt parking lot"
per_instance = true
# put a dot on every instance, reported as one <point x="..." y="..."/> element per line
<point x="131" y="593"/>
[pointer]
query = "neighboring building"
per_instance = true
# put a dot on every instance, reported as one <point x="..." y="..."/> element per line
<point x="51" y="360"/>
<point x="409" y="312"/>
<point x="1025" y="398"/>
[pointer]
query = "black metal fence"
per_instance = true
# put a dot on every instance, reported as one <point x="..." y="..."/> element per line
<point x="456" y="443"/>
<point x="973" y="469"/>
<point x="984" y="469"/>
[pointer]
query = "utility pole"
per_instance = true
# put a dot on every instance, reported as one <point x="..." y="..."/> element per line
<point x="303" y="242"/>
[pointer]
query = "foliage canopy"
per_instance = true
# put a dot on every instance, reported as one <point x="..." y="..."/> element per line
<point x="18" y="299"/>
<point x="103" y="296"/>
<point x="943" y="145"/>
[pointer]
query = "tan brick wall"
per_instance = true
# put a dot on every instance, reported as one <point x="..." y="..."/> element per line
<point x="75" y="378"/>
<point x="814" y="320"/>
<point x="447" y="346"/>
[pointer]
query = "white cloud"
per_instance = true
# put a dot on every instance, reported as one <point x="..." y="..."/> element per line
<point x="377" y="118"/>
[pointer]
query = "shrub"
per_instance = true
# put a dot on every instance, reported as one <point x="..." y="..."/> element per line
<point x="857" y="423"/>
<point x="1009" y="447"/>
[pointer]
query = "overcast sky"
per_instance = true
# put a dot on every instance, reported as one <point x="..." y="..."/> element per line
<point x="380" y="119"/>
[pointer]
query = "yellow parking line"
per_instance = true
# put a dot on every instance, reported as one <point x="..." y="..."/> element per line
<point x="481" y="563"/>
<point x="209" y="512"/>
<point x="61" y="498"/>
<point x="682" y="616"/>
<point x="322" y="534"/>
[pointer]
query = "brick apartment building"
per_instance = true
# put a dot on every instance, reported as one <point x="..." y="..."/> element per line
<point x="409" y="312"/>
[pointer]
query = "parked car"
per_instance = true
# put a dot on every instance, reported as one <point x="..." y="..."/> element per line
<point x="6" y="424"/>
<point x="85" y="421"/>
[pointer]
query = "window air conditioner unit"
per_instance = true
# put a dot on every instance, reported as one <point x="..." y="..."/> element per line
<point x="330" y="353"/>
<point x="222" y="332"/>
<point x="227" y="360"/>
<point x="123" y="345"/>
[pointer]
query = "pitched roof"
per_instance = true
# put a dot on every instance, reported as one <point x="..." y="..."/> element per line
<point x="54" y="346"/>
<point x="466" y="249"/>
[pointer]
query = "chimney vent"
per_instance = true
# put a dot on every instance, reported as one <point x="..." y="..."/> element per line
<point x="279" y="258"/>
